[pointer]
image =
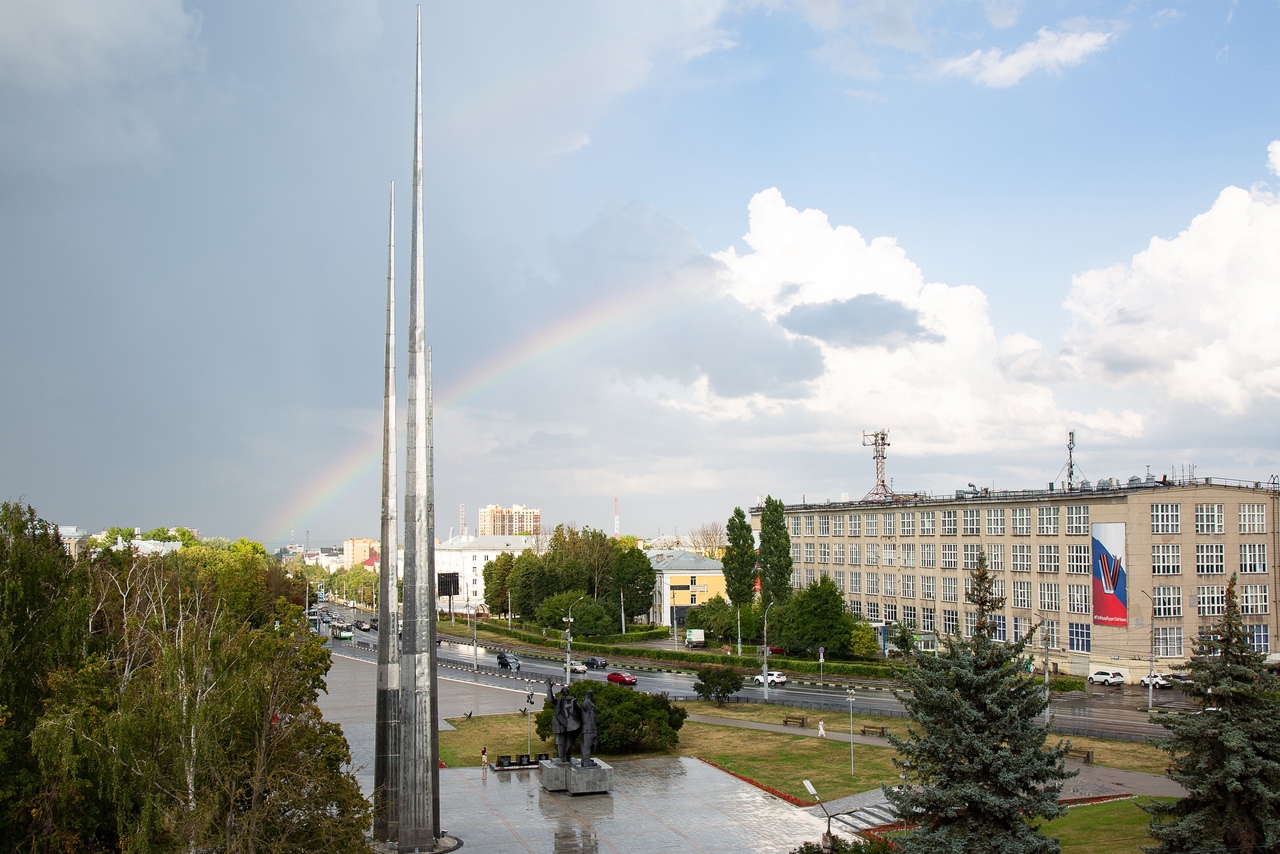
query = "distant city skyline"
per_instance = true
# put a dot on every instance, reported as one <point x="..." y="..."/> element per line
<point x="683" y="255"/>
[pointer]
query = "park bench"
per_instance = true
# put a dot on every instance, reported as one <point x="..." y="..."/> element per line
<point x="797" y="720"/>
<point x="875" y="730"/>
<point x="1085" y="756"/>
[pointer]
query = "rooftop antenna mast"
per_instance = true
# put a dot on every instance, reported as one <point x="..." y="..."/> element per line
<point x="878" y="440"/>
<point x="1071" y="460"/>
<point x="462" y="519"/>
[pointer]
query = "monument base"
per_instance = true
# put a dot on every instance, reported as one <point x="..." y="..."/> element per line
<point x="574" y="778"/>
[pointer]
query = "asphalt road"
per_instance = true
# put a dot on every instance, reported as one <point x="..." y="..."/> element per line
<point x="1118" y="712"/>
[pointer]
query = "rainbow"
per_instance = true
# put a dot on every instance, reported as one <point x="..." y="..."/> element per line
<point x="364" y="463"/>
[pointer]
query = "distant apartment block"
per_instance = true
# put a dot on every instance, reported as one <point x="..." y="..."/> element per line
<point x="358" y="550"/>
<point x="498" y="521"/>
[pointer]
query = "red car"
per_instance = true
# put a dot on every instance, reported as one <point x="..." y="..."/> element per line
<point x="621" y="677"/>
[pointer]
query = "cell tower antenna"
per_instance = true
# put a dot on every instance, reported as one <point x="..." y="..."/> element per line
<point x="1071" y="460"/>
<point x="878" y="440"/>
<point x="617" y="527"/>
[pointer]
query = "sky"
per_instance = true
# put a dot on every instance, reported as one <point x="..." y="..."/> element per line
<point x="683" y="255"/>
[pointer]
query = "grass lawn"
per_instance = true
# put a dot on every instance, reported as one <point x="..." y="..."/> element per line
<point x="1116" y="827"/>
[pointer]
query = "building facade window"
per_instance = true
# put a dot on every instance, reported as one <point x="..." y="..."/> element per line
<point x="873" y="611"/>
<point x="795" y="526"/>
<point x="950" y="589"/>
<point x="824" y="552"/>
<point x="1021" y="625"/>
<point x="855" y="554"/>
<point x="995" y="522"/>
<point x="950" y="556"/>
<point x="928" y="620"/>
<point x="808" y="526"/>
<point x="1258" y="636"/>
<point x="1047" y="521"/>
<point x="873" y="554"/>
<point x="1211" y="558"/>
<point x="808" y="576"/>
<point x="1021" y="557"/>
<point x="1166" y="519"/>
<point x="795" y="577"/>
<point x="1022" y="595"/>
<point x="998" y="627"/>
<point x="886" y="524"/>
<point x="808" y="552"/>
<point x="907" y="527"/>
<point x="855" y="583"/>
<point x="950" y="622"/>
<point x="1078" y="637"/>
<point x="890" y="584"/>
<point x="927" y="523"/>
<point x="1078" y="598"/>
<point x="855" y="606"/>
<point x="948" y="523"/>
<point x="1079" y="560"/>
<point x="837" y="529"/>
<point x="909" y="615"/>
<point x="995" y="556"/>
<point x="1253" y="518"/>
<point x="1166" y="601"/>
<point x="997" y="588"/>
<point x="908" y="586"/>
<point x="1021" y="521"/>
<point x="1211" y="600"/>
<point x="873" y="584"/>
<point x="970" y="623"/>
<point x="855" y="524"/>
<point x="1167" y="641"/>
<point x="872" y="524"/>
<point x="1253" y="599"/>
<point x="795" y="552"/>
<point x="837" y="556"/>
<point x="1166" y="559"/>
<point x="890" y="612"/>
<point x="1209" y="519"/>
<point x="1050" y="559"/>
<point x="889" y="554"/>
<point x="928" y="587"/>
<point x="928" y="554"/>
<point x="1049" y="635"/>
<point x="824" y="526"/>
<point x="839" y="580"/>
<point x="971" y="552"/>
<point x="1078" y="519"/>
<point x="972" y="522"/>
<point x="908" y="554"/>
<point x="1049" y="597"/>
<point x="1253" y="557"/>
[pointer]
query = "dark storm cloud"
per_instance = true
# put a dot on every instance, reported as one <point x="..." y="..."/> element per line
<point x="865" y="321"/>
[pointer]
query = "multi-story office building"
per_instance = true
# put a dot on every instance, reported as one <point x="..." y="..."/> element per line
<point x="465" y="557"/>
<point x="1116" y="573"/>
<point x="498" y="521"/>
<point x="357" y="550"/>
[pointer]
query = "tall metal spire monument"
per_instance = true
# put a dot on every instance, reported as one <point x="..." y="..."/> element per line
<point x="386" y="762"/>
<point x="419" y="826"/>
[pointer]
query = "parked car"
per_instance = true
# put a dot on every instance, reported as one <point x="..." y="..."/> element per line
<point x="361" y="625"/>
<point x="776" y="677"/>
<point x="1158" y="680"/>
<point x="1180" y="680"/>
<point x="373" y="623"/>
<point x="1106" y="677"/>
<point x="596" y="663"/>
<point x="621" y="677"/>
<point x="576" y="666"/>
<point x="508" y="661"/>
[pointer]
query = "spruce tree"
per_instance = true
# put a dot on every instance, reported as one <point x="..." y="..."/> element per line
<point x="775" y="553"/>
<point x="1227" y="756"/>
<point x="977" y="769"/>
<point x="739" y="559"/>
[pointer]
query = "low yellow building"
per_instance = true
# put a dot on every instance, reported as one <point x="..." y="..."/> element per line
<point x="684" y="580"/>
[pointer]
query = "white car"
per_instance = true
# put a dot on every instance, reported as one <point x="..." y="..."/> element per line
<point x="576" y="666"/>
<point x="1106" y="677"/>
<point x="1159" y="680"/>
<point x="776" y="677"/>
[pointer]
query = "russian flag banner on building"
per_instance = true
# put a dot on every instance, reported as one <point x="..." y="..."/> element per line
<point x="1110" y="594"/>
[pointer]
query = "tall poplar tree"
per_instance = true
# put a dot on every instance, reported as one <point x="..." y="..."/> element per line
<point x="1227" y="757"/>
<point x="739" y="559"/>
<point x="977" y="769"/>
<point x="775" y="553"/>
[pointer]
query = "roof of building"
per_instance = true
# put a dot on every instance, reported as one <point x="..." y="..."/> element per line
<point x="682" y="560"/>
<point x="495" y="543"/>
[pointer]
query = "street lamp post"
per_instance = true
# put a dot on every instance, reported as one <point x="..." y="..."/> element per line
<point x="739" y="631"/>
<point x="828" y="844"/>
<point x="568" y="641"/>
<point x="765" y="670"/>
<point x="850" y="697"/>
<point x="475" y="647"/>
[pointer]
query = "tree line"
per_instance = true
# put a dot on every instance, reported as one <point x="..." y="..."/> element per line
<point x="155" y="704"/>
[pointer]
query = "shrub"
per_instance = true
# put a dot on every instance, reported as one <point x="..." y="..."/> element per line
<point x="627" y="721"/>
<point x="717" y="683"/>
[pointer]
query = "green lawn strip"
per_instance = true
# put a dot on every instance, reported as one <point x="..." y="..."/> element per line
<point x="1114" y="827"/>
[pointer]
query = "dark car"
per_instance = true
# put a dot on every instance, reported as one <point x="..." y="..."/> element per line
<point x="621" y="678"/>
<point x="596" y="663"/>
<point x="361" y="625"/>
<point x="373" y="623"/>
<point x="508" y="661"/>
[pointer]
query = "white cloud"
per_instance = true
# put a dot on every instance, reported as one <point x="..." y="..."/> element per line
<point x="1273" y="157"/>
<point x="957" y="387"/>
<point x="1191" y="319"/>
<point x="1051" y="51"/>
<point x="1003" y="13"/>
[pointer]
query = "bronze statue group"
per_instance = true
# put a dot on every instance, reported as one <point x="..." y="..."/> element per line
<point x="571" y="721"/>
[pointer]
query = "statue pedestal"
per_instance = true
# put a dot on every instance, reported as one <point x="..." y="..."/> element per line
<point x="575" y="779"/>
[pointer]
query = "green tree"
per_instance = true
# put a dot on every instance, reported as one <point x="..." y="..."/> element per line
<point x="628" y="721"/>
<point x="532" y="580"/>
<point x="110" y="537"/>
<point x="589" y="618"/>
<point x="44" y="608"/>
<point x="1227" y="757"/>
<point x="864" y="643"/>
<point x="717" y="683"/>
<point x="629" y="586"/>
<point x="979" y="772"/>
<point x="739" y="559"/>
<point x="816" y="617"/>
<point x="775" y="553"/>
<point x="497" y="578"/>
<point x="903" y="636"/>
<point x="715" y="616"/>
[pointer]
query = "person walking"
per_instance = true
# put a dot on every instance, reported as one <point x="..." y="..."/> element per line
<point x="822" y="729"/>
